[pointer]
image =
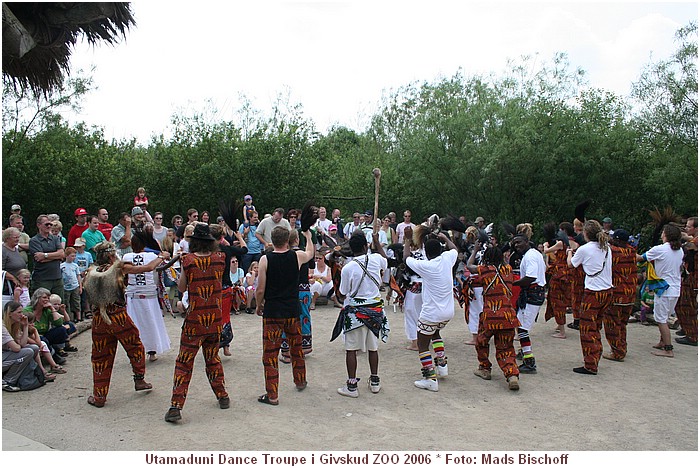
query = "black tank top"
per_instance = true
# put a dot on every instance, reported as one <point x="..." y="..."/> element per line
<point x="282" y="285"/>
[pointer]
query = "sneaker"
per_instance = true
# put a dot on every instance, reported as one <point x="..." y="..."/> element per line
<point x="374" y="384"/>
<point x="686" y="341"/>
<point x="441" y="371"/>
<point x="483" y="373"/>
<point x="427" y="384"/>
<point x="10" y="388"/>
<point x="224" y="403"/>
<point x="345" y="391"/>
<point x="573" y="325"/>
<point x="528" y="366"/>
<point x="680" y="332"/>
<point x="70" y="349"/>
<point x="173" y="415"/>
<point x="513" y="383"/>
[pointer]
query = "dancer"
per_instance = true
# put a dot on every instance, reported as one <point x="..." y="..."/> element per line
<point x="559" y="284"/>
<point x="438" y="304"/>
<point x="667" y="259"/>
<point x="532" y="296"/>
<point x="362" y="319"/>
<point x="104" y="286"/>
<point x="687" y="305"/>
<point x="412" y="293"/>
<point x="142" y="299"/>
<point x="498" y="318"/>
<point x="624" y="278"/>
<point x="277" y="301"/>
<point x="202" y="270"/>
<point x="596" y="259"/>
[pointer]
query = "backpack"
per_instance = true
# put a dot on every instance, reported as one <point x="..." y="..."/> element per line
<point x="32" y="377"/>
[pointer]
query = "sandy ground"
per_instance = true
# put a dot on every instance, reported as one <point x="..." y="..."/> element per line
<point x="555" y="409"/>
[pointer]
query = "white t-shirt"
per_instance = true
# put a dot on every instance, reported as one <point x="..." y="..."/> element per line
<point x="594" y="260"/>
<point x="667" y="263"/>
<point x="351" y="279"/>
<point x="438" y="302"/>
<point x="268" y="224"/>
<point x="140" y="283"/>
<point x="400" y="228"/>
<point x="324" y="224"/>
<point x="532" y="266"/>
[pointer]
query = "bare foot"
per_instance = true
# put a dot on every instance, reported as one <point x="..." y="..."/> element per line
<point x="662" y="353"/>
<point x="412" y="348"/>
<point x="559" y="335"/>
<point x="227" y="351"/>
<point x="470" y="342"/>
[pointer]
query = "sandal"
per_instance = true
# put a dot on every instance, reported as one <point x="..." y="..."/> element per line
<point x="266" y="400"/>
<point x="70" y="349"/>
<point x="49" y="377"/>
<point x="58" y="370"/>
<point x="95" y="403"/>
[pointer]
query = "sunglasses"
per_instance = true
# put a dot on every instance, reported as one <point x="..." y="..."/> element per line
<point x="48" y="224"/>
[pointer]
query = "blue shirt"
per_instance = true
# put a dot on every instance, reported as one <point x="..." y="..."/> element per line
<point x="252" y="242"/>
<point x="70" y="273"/>
<point x="83" y="260"/>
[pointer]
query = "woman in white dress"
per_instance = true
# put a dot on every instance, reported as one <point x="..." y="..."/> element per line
<point x="142" y="301"/>
<point x="321" y="283"/>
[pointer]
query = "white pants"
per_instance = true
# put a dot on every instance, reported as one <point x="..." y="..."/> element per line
<point x="321" y="288"/>
<point x="527" y="316"/>
<point x="412" y="305"/>
<point x="475" y="308"/>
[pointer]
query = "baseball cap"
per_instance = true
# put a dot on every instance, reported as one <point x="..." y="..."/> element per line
<point x="369" y="213"/>
<point x="332" y="227"/>
<point x="79" y="242"/>
<point x="621" y="234"/>
<point x="479" y="219"/>
<point x="247" y="197"/>
<point x="15" y="208"/>
<point x="136" y="211"/>
<point x="80" y="212"/>
<point x="607" y="220"/>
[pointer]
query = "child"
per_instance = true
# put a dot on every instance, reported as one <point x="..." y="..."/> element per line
<point x="83" y="259"/>
<point x="72" y="284"/>
<point x="251" y="283"/>
<point x="35" y="339"/>
<point x="58" y="306"/>
<point x="21" y="292"/>
<point x="247" y="209"/>
<point x="56" y="227"/>
<point x="141" y="199"/>
<point x="646" y="314"/>
<point x="237" y="277"/>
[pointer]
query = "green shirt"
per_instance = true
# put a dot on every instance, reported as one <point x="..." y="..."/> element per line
<point x="91" y="240"/>
<point x="46" y="321"/>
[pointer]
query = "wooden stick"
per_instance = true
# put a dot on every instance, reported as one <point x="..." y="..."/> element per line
<point x="377" y="175"/>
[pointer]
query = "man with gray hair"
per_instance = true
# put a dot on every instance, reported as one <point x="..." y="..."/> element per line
<point x="46" y="250"/>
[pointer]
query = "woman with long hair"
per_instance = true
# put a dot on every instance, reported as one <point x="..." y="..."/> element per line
<point x="596" y="259"/>
<point x="667" y="259"/>
<point x="111" y="324"/>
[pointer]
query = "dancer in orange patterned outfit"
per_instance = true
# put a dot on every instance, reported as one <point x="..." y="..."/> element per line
<point x="596" y="259"/>
<point x="559" y="295"/>
<point x="498" y="318"/>
<point x="104" y="286"/>
<point x="624" y="276"/>
<point x="687" y="306"/>
<point x="577" y="275"/>
<point x="202" y="272"/>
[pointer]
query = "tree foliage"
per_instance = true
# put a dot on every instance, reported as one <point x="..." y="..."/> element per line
<point x="525" y="146"/>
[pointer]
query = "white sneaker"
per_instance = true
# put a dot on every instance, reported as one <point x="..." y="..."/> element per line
<point x="345" y="391"/>
<point x="374" y="386"/>
<point x="441" y="371"/>
<point x="427" y="384"/>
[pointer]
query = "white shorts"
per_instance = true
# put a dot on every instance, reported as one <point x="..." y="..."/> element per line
<point x="527" y="316"/>
<point x="663" y="307"/>
<point x="361" y="339"/>
<point x="429" y="328"/>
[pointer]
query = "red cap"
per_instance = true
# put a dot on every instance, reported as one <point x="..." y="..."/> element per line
<point x="80" y="212"/>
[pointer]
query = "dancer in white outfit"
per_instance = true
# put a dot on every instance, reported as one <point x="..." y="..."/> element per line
<point x="142" y="302"/>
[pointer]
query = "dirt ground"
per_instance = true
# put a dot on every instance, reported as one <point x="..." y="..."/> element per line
<point x="555" y="409"/>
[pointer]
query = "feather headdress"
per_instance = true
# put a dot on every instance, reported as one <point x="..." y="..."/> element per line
<point x="309" y="216"/>
<point x="229" y="211"/>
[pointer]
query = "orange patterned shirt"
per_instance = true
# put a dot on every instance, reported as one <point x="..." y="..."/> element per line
<point x="204" y="276"/>
<point x="498" y="313"/>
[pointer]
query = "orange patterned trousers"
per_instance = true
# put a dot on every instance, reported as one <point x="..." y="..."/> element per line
<point x="272" y="342"/>
<point x="593" y="306"/>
